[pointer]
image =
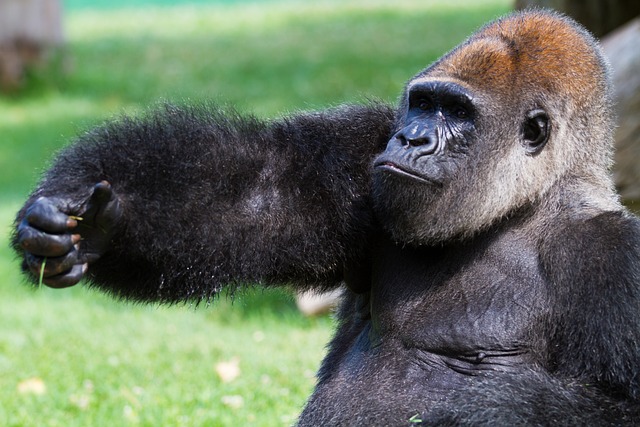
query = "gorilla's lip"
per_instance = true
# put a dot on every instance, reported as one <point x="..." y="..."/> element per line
<point x="387" y="166"/>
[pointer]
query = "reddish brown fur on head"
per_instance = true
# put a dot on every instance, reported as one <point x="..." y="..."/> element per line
<point x="531" y="51"/>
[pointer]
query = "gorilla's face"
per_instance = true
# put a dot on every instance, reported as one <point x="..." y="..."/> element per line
<point x="445" y="172"/>
<point x="437" y="126"/>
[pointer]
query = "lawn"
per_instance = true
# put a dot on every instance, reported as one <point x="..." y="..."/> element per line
<point x="77" y="358"/>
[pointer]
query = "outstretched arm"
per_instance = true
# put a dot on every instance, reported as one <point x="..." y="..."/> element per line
<point x="176" y="204"/>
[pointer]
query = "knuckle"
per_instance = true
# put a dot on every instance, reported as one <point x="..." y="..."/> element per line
<point x="37" y="209"/>
<point x="44" y="215"/>
<point x="33" y="263"/>
<point x="60" y="265"/>
<point x="66" y="279"/>
<point x="25" y="236"/>
<point x="55" y="267"/>
<point x="48" y="245"/>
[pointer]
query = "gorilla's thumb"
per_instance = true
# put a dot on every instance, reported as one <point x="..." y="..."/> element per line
<point x="103" y="208"/>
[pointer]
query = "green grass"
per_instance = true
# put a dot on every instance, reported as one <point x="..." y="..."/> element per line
<point x="108" y="363"/>
<point x="120" y="4"/>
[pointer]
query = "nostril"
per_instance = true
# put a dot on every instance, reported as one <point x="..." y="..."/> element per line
<point x="402" y="140"/>
<point x="423" y="145"/>
<point x="418" y="142"/>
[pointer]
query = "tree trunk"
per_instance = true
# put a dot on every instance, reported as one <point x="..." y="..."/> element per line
<point x="621" y="48"/>
<point x="599" y="16"/>
<point x="29" y="29"/>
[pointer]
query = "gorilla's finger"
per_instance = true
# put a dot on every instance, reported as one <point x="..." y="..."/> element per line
<point x="38" y="242"/>
<point x="52" y="266"/>
<point x="45" y="215"/>
<point x="69" y="278"/>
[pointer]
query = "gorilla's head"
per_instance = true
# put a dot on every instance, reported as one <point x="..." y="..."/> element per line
<point x="521" y="107"/>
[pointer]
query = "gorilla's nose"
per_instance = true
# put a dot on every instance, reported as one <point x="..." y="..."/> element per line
<point x="418" y="138"/>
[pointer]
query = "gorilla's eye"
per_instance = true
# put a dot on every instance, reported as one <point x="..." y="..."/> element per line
<point x="461" y="112"/>
<point x="425" y="105"/>
<point x="535" y="131"/>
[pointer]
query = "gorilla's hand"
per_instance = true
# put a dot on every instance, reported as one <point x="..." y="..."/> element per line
<point x="67" y="238"/>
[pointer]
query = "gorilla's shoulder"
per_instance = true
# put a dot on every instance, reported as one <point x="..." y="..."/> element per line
<point x="602" y="249"/>
<point x="606" y="232"/>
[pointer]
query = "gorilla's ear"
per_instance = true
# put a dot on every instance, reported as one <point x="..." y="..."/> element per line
<point x="535" y="131"/>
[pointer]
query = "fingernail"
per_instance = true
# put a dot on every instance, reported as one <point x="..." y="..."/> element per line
<point x="75" y="238"/>
<point x="72" y="223"/>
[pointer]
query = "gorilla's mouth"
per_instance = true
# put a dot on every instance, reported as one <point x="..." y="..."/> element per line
<point x="394" y="168"/>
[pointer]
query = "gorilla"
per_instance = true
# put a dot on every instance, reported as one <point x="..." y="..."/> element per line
<point x="492" y="274"/>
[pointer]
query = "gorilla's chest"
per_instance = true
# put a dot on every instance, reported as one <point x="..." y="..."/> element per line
<point x="464" y="300"/>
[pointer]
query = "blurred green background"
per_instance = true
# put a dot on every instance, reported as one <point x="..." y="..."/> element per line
<point x="77" y="358"/>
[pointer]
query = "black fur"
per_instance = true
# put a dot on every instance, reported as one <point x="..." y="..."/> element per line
<point x="212" y="198"/>
<point x="530" y="317"/>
